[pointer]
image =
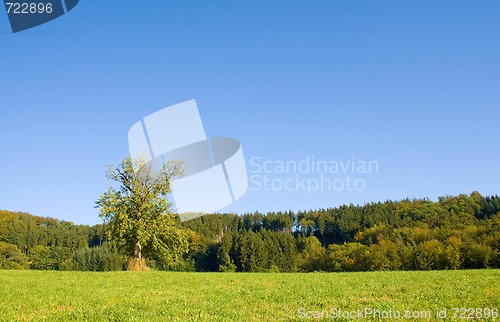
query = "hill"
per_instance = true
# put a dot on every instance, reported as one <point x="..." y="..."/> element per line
<point x="457" y="232"/>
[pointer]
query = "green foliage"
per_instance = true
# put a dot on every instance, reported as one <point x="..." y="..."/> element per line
<point x="261" y="251"/>
<point x="347" y="257"/>
<point x="452" y="233"/>
<point x="99" y="259"/>
<point x="27" y="231"/>
<point x="405" y="235"/>
<point x="313" y="255"/>
<point x="383" y="256"/>
<point x="138" y="216"/>
<point x="489" y="206"/>
<point x="476" y="255"/>
<point x="11" y="257"/>
<point x="49" y="257"/>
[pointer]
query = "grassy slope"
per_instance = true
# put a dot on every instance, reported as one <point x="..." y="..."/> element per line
<point x="168" y="296"/>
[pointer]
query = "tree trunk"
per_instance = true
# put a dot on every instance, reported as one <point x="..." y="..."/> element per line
<point x="137" y="251"/>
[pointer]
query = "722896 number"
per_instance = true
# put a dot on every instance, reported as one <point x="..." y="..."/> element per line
<point x="27" y="8"/>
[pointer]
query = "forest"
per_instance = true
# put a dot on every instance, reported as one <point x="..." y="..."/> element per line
<point x="454" y="232"/>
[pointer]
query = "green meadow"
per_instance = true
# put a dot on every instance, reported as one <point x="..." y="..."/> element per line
<point x="173" y="296"/>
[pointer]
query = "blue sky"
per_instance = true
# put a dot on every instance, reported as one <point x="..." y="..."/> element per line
<point x="413" y="85"/>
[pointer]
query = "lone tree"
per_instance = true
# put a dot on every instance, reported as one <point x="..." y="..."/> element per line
<point x="138" y="216"/>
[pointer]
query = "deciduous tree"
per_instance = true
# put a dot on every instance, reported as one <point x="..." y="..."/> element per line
<point x="138" y="215"/>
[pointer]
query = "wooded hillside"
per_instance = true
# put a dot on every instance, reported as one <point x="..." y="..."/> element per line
<point x="419" y="234"/>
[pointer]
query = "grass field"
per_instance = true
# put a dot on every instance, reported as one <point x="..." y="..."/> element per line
<point x="170" y="296"/>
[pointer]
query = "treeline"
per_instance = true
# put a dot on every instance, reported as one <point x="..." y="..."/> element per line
<point x="452" y="233"/>
<point x="28" y="241"/>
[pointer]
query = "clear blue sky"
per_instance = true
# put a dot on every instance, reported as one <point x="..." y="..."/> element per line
<point x="414" y="85"/>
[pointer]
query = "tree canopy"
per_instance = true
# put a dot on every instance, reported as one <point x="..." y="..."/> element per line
<point x="454" y="232"/>
<point x="138" y="216"/>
